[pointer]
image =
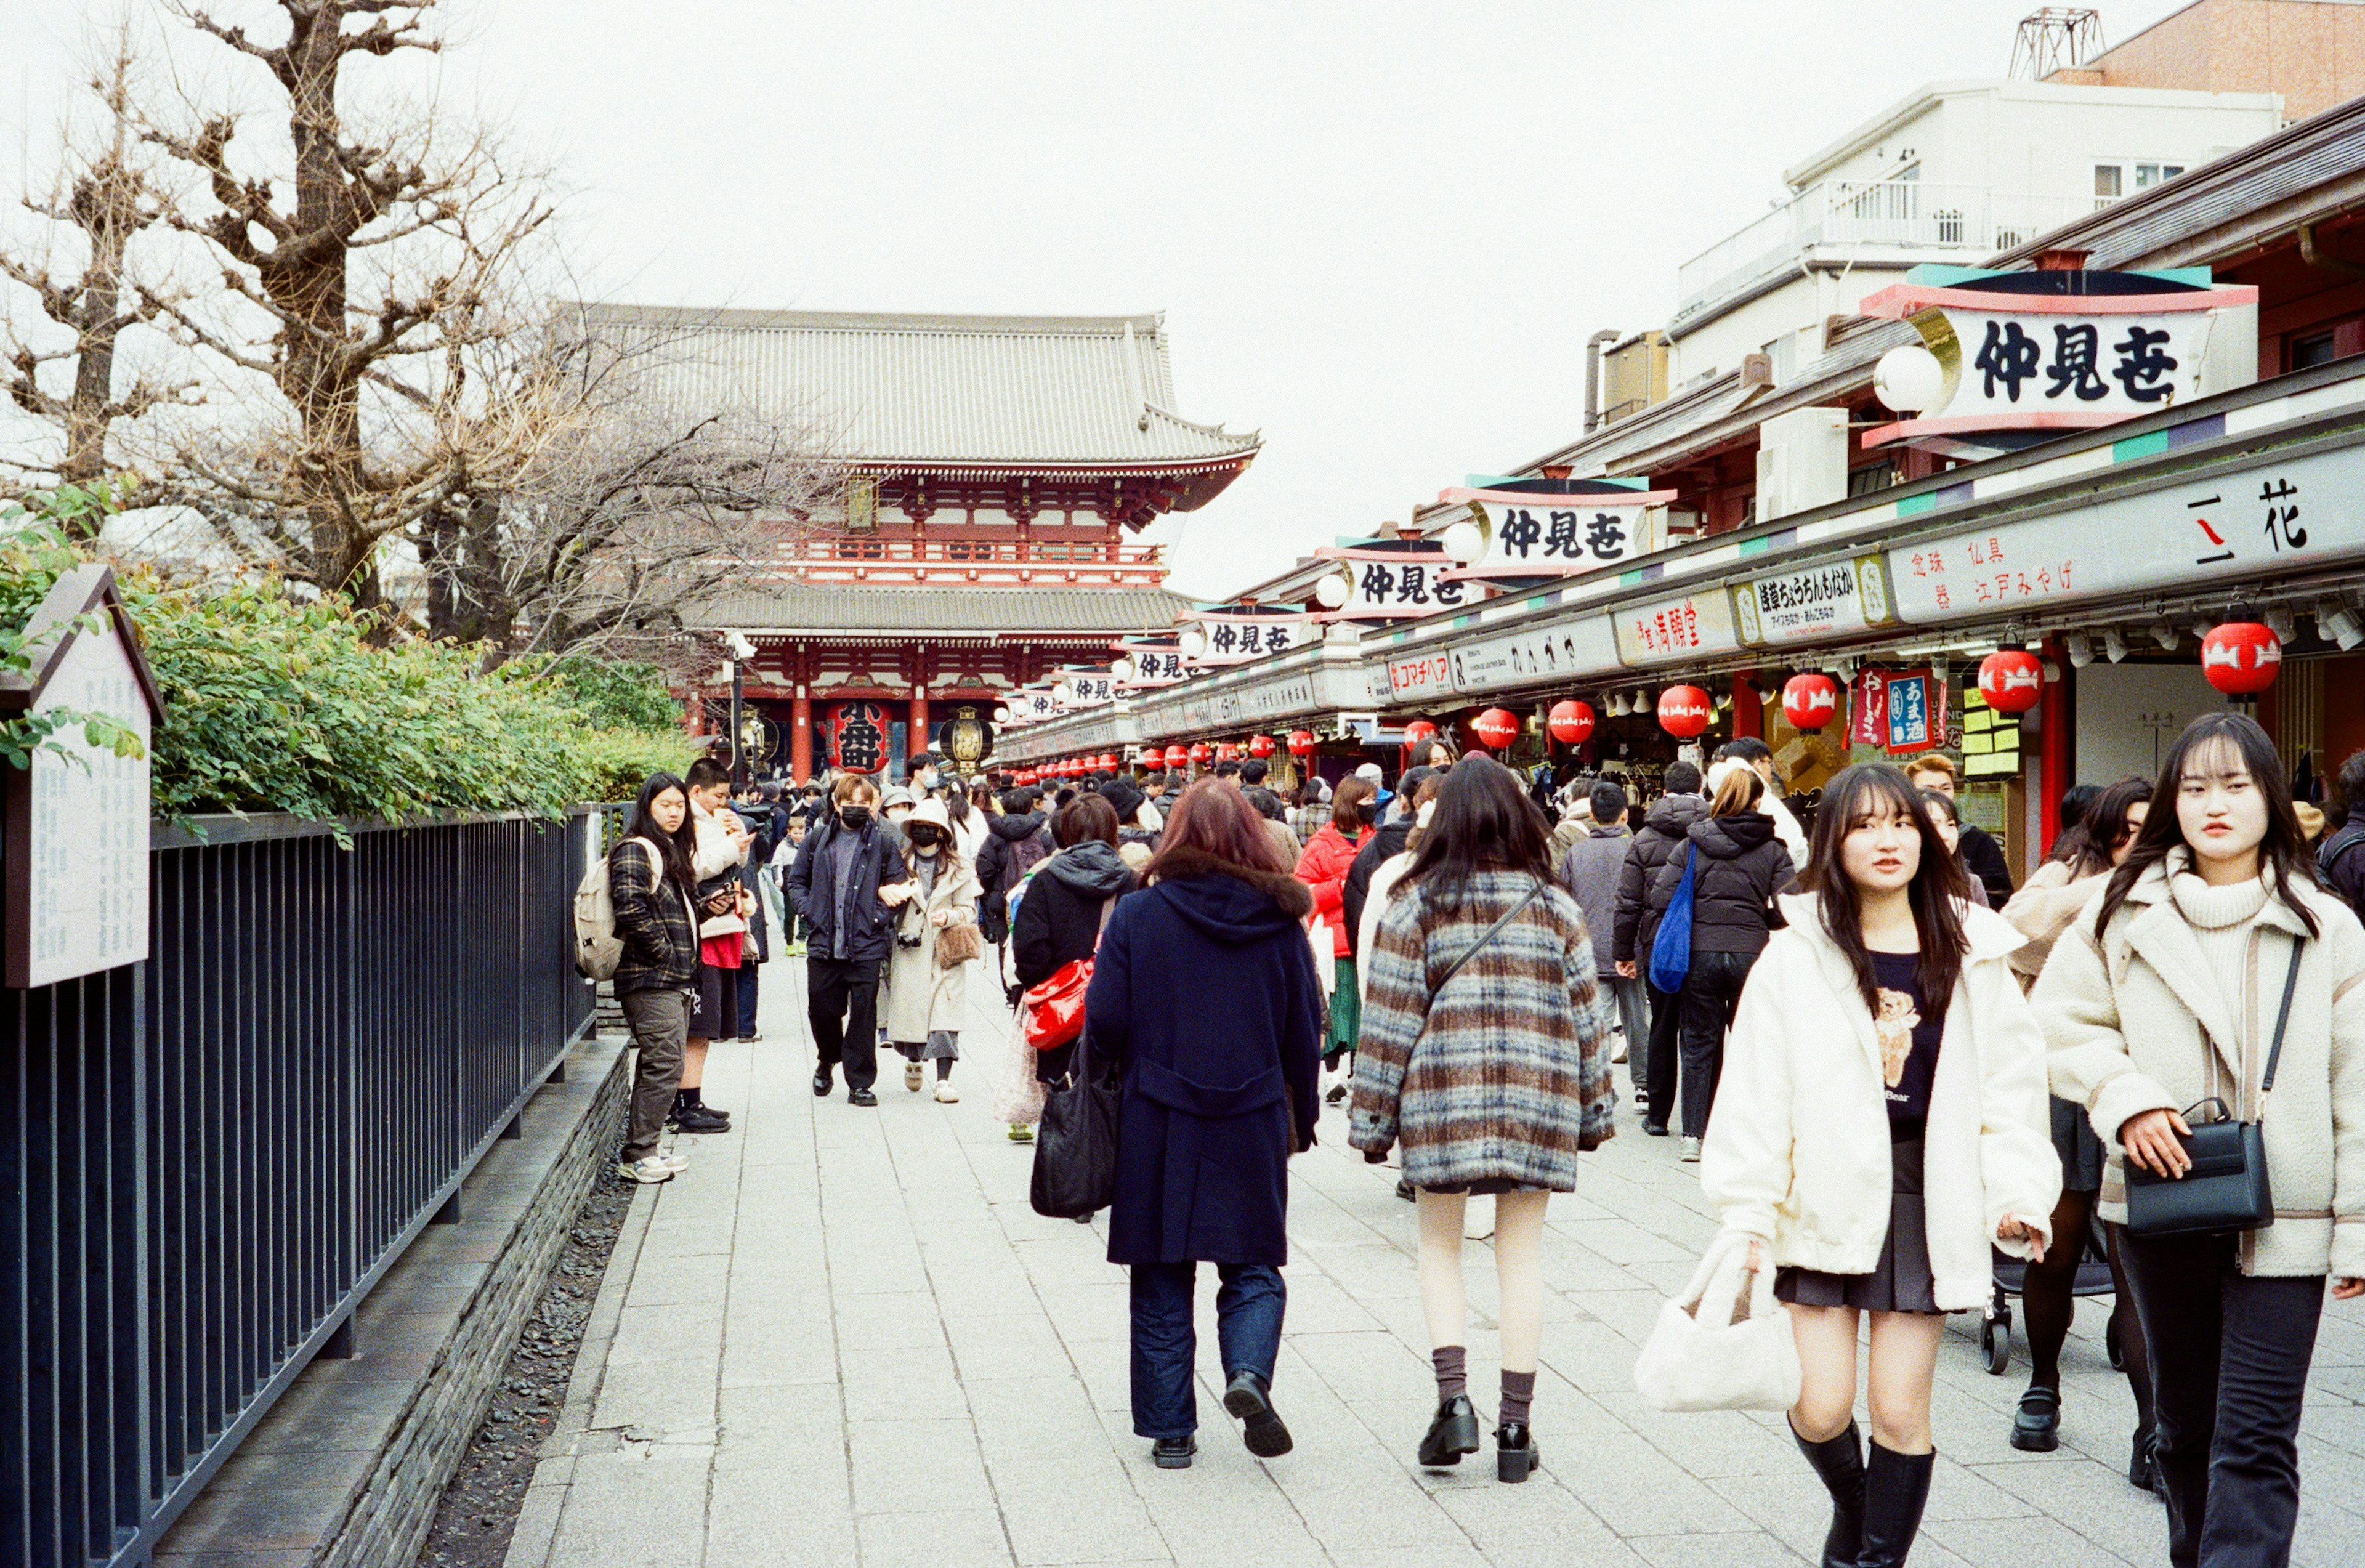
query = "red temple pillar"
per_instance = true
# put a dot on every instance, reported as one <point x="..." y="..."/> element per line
<point x="801" y="738"/>
<point x="1748" y="713"/>
<point x="919" y="738"/>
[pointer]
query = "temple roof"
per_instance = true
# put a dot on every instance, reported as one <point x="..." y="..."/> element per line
<point x="1091" y="393"/>
<point x="900" y="612"/>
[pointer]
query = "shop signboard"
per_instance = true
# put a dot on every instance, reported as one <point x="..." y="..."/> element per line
<point x="2272" y="516"/>
<point x="1033" y="705"/>
<point x="1077" y="688"/>
<point x="1816" y="602"/>
<point x="1580" y="650"/>
<point x="1154" y="664"/>
<point x="1421" y="676"/>
<point x="1554" y="535"/>
<point x="1396" y="581"/>
<point x="1991" y="739"/>
<point x="1236" y="637"/>
<point x="2061" y="351"/>
<point x="1899" y="710"/>
<point x="1670" y="631"/>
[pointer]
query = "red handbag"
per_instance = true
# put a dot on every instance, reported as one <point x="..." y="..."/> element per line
<point x="1055" y="1006"/>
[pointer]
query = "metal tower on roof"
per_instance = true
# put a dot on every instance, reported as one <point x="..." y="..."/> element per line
<point x="2056" y="38"/>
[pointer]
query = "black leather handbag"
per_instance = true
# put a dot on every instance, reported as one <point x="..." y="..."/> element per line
<point x="2226" y="1189"/>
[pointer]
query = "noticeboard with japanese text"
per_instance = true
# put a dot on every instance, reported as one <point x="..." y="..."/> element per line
<point x="1582" y="650"/>
<point x="1556" y="535"/>
<point x="1835" y="597"/>
<point x="1673" y="630"/>
<point x="2268" y="518"/>
<point x="2062" y="351"/>
<point x="1991" y="739"/>
<point x="78" y="826"/>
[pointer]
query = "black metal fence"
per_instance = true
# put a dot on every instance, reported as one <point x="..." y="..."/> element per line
<point x="212" y="1156"/>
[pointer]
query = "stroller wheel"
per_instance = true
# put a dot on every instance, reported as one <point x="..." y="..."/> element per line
<point x="1995" y="1342"/>
<point x="2112" y="1345"/>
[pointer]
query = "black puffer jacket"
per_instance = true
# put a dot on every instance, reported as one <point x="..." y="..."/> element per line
<point x="1060" y="918"/>
<point x="1670" y="817"/>
<point x="1742" y="867"/>
<point x="869" y="925"/>
<point x="1011" y="846"/>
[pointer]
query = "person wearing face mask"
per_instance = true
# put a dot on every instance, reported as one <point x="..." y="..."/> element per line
<point x="846" y="885"/>
<point x="1880" y="1124"/>
<point x="935" y="935"/>
<point x="2099" y="834"/>
<point x="2211" y="939"/>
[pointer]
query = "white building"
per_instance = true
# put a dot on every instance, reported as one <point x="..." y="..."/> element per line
<point x="1955" y="172"/>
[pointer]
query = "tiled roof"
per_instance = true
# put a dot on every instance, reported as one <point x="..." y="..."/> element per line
<point x="1086" y="391"/>
<point x="968" y="611"/>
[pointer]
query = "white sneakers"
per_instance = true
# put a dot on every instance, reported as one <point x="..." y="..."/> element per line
<point x="1691" y="1151"/>
<point x="946" y="1094"/>
<point x="657" y="1168"/>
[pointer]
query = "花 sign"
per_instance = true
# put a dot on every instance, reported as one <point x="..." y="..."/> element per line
<point x="77" y="821"/>
<point x="1554" y="535"/>
<point x="2055" y="350"/>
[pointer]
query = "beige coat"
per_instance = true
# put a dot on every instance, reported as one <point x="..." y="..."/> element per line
<point x="1797" y="1152"/>
<point x="920" y="996"/>
<point x="2043" y="909"/>
<point x="2124" y="1016"/>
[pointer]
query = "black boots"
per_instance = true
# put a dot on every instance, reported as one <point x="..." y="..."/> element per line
<point x="1896" y="1486"/>
<point x="1173" y="1453"/>
<point x="1839" y="1462"/>
<point x="1453" y="1433"/>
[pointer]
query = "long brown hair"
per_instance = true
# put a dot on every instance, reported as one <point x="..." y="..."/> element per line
<point x="1215" y="820"/>
<point x="2284" y="847"/>
<point x="1937" y="893"/>
<point x="2088" y="847"/>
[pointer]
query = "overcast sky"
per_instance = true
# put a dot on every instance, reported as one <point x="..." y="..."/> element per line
<point x="1381" y="232"/>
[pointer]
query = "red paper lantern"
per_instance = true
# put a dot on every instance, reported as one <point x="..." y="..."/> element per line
<point x="1202" y="753"/>
<point x="2241" y="657"/>
<point x="1419" y="733"/>
<point x="1810" y="702"/>
<point x="1260" y="746"/>
<point x="2012" y="679"/>
<point x="1685" y="710"/>
<point x="1301" y="743"/>
<point x="1107" y="762"/>
<point x="1153" y="757"/>
<point x="1572" y="721"/>
<point x="1496" y="727"/>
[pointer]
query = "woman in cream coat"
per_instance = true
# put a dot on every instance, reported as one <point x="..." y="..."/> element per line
<point x="925" y="999"/>
<point x="2166" y="996"/>
<point x="1877" y="1145"/>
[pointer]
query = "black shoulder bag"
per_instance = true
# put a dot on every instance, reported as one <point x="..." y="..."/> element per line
<point x="2226" y="1189"/>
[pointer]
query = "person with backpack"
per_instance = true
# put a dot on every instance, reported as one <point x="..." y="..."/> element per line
<point x="651" y="889"/>
<point x="1737" y="867"/>
<point x="1486" y="1053"/>
<point x="2341" y="857"/>
<point x="1663" y="829"/>
<point x="1017" y="839"/>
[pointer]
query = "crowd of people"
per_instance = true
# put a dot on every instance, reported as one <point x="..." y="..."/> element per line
<point x="1900" y="1077"/>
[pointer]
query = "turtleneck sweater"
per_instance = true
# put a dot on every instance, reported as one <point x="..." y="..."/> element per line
<point x="2220" y="918"/>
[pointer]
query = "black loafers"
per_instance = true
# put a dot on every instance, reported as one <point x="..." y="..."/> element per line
<point x="1515" y="1454"/>
<point x="820" y="1082"/>
<point x="860" y="1097"/>
<point x="1451" y="1434"/>
<point x="2037" y="1428"/>
<point x="1249" y="1399"/>
<point x="1175" y="1453"/>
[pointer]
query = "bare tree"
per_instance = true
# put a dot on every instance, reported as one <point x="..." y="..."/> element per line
<point x="634" y="505"/>
<point x="106" y="195"/>
<point x="365" y="275"/>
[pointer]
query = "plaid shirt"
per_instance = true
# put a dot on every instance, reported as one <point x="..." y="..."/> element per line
<point x="652" y="917"/>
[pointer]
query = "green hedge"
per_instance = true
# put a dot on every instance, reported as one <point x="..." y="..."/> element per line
<point x="272" y="703"/>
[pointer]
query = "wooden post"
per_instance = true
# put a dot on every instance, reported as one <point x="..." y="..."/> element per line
<point x="1748" y="713"/>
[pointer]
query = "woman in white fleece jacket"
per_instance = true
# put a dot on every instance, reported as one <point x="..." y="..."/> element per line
<point x="1880" y="1122"/>
<point x="2166" y="996"/>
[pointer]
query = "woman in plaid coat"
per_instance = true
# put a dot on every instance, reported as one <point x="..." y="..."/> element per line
<point x="1486" y="1053"/>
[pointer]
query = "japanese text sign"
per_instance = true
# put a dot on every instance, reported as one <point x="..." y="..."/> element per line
<point x="1548" y="535"/>
<point x="1670" y="631"/>
<point x="1236" y="639"/>
<point x="1390" y="584"/>
<point x="1840" y="595"/>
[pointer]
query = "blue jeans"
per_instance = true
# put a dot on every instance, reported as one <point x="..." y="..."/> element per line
<point x="1165" y="1342"/>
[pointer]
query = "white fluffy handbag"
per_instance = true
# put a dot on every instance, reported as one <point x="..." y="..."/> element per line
<point x="1725" y="1344"/>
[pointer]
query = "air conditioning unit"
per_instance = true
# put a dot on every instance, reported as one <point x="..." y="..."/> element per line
<point x="1801" y="461"/>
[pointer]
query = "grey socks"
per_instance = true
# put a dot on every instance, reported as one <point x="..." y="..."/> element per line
<point x="1452" y="1378"/>
<point x="1519" y="1390"/>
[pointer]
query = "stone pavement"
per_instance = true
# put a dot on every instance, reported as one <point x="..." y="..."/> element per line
<point x="843" y="1338"/>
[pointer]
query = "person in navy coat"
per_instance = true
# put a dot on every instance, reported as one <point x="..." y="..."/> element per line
<point x="1205" y="991"/>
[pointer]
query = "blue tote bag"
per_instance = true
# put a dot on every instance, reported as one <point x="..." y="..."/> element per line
<point x="1671" y="946"/>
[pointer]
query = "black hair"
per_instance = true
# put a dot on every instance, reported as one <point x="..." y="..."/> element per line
<point x="1228" y="769"/>
<point x="1255" y="769"/>
<point x="2089" y="848"/>
<point x="1609" y="802"/>
<point x="1939" y="800"/>
<point x="1682" y="778"/>
<point x="1937" y="893"/>
<point x="706" y="773"/>
<point x="957" y="807"/>
<point x="1017" y="802"/>
<point x="1748" y="748"/>
<point x="675" y="849"/>
<point x="2284" y="846"/>
<point x="2348" y="789"/>
<point x="2075" y="802"/>
<point x="1484" y="821"/>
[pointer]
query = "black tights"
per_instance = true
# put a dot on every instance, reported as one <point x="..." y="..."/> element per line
<point x="2049" y="1305"/>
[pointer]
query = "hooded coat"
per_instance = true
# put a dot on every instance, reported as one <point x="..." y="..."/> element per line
<point x="921" y="998"/>
<point x="1204" y="992"/>
<point x="1797" y="1152"/>
<point x="1742" y="867"/>
<point x="1323" y="868"/>
<point x="1670" y="817"/>
<point x="1060" y="918"/>
<point x="1013" y="846"/>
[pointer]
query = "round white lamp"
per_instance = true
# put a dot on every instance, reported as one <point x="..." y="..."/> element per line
<point x="1909" y="379"/>
<point x="1465" y="542"/>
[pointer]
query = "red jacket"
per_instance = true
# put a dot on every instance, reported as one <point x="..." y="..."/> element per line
<point x="1323" y="868"/>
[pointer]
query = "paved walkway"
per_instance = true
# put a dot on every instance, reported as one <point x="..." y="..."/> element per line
<point x="843" y="1337"/>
